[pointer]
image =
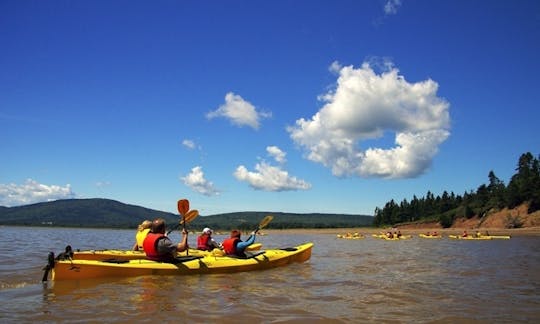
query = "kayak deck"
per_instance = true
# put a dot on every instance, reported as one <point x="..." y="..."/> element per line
<point x="134" y="255"/>
<point x="86" y="269"/>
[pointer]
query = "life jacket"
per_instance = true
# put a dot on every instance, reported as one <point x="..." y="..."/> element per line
<point x="140" y="236"/>
<point x="229" y="246"/>
<point x="202" y="243"/>
<point x="150" y="246"/>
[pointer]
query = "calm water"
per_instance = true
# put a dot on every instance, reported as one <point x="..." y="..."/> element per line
<point x="370" y="280"/>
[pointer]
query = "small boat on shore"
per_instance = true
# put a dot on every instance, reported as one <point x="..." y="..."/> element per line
<point x="184" y="265"/>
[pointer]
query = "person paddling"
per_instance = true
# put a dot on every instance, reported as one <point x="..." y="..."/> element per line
<point x="158" y="247"/>
<point x="205" y="242"/>
<point x="235" y="246"/>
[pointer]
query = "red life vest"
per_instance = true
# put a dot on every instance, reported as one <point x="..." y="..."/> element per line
<point x="229" y="245"/>
<point x="150" y="246"/>
<point x="202" y="242"/>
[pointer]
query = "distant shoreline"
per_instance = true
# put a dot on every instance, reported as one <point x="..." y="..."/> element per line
<point x="534" y="231"/>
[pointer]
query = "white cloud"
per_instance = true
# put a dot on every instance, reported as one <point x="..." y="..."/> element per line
<point x="270" y="178"/>
<point x="276" y="153"/>
<point x="32" y="192"/>
<point x="239" y="111"/>
<point x="189" y="144"/>
<point x="391" y="7"/>
<point x="196" y="181"/>
<point x="364" y="106"/>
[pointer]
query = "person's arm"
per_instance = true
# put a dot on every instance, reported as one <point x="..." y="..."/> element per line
<point x="213" y="244"/>
<point x="183" y="245"/>
<point x="241" y="246"/>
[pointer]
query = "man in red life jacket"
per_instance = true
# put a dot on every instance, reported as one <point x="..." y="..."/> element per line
<point x="159" y="247"/>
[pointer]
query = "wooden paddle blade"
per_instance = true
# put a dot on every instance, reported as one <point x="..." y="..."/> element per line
<point x="183" y="206"/>
<point x="265" y="221"/>
<point x="189" y="216"/>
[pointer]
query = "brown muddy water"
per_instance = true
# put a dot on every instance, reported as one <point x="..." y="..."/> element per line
<point x="345" y="281"/>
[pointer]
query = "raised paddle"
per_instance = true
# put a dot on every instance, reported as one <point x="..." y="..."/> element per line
<point x="186" y="219"/>
<point x="264" y="222"/>
<point x="183" y="206"/>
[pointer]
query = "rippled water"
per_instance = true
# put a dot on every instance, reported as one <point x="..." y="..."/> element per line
<point x="370" y="280"/>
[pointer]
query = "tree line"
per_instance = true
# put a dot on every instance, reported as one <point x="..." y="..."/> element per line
<point x="523" y="187"/>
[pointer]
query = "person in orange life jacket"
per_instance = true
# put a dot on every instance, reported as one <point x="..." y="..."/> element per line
<point x="205" y="242"/>
<point x="142" y="231"/>
<point x="235" y="246"/>
<point x="159" y="247"/>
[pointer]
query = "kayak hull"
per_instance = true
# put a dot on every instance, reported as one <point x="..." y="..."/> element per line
<point x="88" y="269"/>
<point x="430" y="236"/>
<point x="350" y="237"/>
<point x="385" y="237"/>
<point x="134" y="255"/>
<point x="458" y="237"/>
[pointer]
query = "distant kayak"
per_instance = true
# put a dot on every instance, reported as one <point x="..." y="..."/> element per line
<point x="430" y="236"/>
<point x="394" y="238"/>
<point x="459" y="237"/>
<point x="354" y="236"/>
<point x="497" y="237"/>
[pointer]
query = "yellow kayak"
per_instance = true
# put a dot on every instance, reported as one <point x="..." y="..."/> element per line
<point x="459" y="237"/>
<point x="354" y="236"/>
<point x="430" y="236"/>
<point x="134" y="255"/>
<point x="385" y="237"/>
<point x="185" y="265"/>
<point x="497" y="237"/>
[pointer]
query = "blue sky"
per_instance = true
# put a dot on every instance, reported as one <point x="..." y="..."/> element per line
<point x="295" y="106"/>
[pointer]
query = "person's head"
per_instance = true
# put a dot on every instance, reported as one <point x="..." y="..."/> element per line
<point x="158" y="225"/>
<point x="144" y="225"/>
<point x="207" y="231"/>
<point x="235" y="233"/>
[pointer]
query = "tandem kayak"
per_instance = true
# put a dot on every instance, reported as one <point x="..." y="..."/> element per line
<point x="354" y="236"/>
<point x="385" y="237"/>
<point x="497" y="237"/>
<point x="185" y="265"/>
<point x="134" y="255"/>
<point x="459" y="237"/>
<point x="430" y="236"/>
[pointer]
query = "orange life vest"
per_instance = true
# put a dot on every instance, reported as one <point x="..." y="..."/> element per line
<point x="202" y="242"/>
<point x="229" y="246"/>
<point x="150" y="246"/>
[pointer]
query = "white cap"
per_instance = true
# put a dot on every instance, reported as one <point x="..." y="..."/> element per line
<point x="206" y="230"/>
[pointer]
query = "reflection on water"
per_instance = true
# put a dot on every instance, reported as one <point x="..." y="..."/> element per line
<point x="367" y="280"/>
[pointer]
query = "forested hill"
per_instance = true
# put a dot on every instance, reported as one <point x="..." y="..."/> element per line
<point x="105" y="213"/>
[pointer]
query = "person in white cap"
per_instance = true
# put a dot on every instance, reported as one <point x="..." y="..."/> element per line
<point x="205" y="242"/>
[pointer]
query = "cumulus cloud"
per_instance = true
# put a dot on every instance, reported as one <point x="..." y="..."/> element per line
<point x="196" y="181"/>
<point x="32" y="192"/>
<point x="270" y="178"/>
<point x="276" y="153"/>
<point x="391" y="7"/>
<point x="239" y="112"/>
<point x="363" y="107"/>
<point x="189" y="144"/>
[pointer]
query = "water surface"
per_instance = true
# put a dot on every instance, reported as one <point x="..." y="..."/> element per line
<point x="362" y="281"/>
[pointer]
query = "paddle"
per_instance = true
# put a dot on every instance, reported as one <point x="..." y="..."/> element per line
<point x="183" y="206"/>
<point x="264" y="222"/>
<point x="186" y="219"/>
